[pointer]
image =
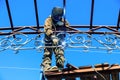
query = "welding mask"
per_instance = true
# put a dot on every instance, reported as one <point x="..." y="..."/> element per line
<point x="57" y="14"/>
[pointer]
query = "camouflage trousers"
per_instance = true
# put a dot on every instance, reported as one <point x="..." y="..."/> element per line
<point x="47" y="57"/>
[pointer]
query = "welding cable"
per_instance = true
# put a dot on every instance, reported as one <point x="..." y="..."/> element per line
<point x="99" y="74"/>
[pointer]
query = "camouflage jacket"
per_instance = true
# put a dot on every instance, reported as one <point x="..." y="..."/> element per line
<point x="51" y="29"/>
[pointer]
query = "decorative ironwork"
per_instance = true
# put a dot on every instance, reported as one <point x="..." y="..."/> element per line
<point x="83" y="41"/>
<point x="75" y="38"/>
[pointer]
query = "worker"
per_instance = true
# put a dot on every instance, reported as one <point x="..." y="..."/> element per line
<point x="54" y="28"/>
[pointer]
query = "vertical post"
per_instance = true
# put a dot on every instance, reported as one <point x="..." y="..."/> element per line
<point x="118" y="22"/>
<point x="64" y="14"/>
<point x="91" y="16"/>
<point x="115" y="75"/>
<point x="36" y="12"/>
<point x="10" y="17"/>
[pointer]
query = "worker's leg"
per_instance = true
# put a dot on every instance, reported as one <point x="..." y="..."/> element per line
<point x="47" y="58"/>
<point x="59" y="54"/>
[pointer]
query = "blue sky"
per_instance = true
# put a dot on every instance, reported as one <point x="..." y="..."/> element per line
<point x="26" y="64"/>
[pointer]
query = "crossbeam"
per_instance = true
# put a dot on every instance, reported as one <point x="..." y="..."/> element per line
<point x="71" y="29"/>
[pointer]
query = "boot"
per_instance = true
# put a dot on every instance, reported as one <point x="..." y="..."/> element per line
<point x="46" y="67"/>
<point x="54" y="68"/>
<point x="46" y="64"/>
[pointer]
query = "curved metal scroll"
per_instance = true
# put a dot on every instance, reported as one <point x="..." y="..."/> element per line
<point x="83" y="41"/>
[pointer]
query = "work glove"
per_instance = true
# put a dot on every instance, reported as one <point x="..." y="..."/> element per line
<point x="54" y="39"/>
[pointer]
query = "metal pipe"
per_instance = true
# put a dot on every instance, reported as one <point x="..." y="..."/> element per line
<point x="10" y="17"/>
<point x="36" y="12"/>
<point x="118" y="22"/>
<point x="91" y="16"/>
<point x="9" y="14"/>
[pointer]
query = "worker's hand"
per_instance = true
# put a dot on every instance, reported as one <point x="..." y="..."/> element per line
<point x="49" y="32"/>
<point x="54" y="39"/>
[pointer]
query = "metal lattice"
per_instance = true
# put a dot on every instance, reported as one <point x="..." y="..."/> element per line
<point x="16" y="38"/>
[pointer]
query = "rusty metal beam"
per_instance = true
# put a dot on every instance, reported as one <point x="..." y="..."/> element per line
<point x="115" y="76"/>
<point x="71" y="29"/>
<point x="36" y="12"/>
<point x="107" y="27"/>
<point x="24" y="27"/>
<point x="104" y="69"/>
<point x="111" y="29"/>
<point x="118" y="22"/>
<point x="19" y="29"/>
<point x="91" y="16"/>
<point x="96" y="28"/>
<point x="87" y="70"/>
<point x="9" y="14"/>
<point x="33" y="32"/>
<point x="87" y="26"/>
<point x="64" y="6"/>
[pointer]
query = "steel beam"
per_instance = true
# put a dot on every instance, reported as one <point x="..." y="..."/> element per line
<point x="91" y="16"/>
<point x="118" y="22"/>
<point x="36" y="12"/>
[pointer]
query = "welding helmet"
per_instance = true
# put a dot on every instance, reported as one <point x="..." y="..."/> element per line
<point x="57" y="14"/>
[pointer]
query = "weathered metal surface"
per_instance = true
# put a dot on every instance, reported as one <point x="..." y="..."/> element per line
<point x="98" y="72"/>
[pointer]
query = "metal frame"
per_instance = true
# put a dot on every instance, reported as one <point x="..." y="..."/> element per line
<point x="92" y="29"/>
<point x="73" y="28"/>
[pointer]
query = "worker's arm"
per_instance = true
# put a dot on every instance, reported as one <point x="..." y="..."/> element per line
<point x="48" y="27"/>
<point x="49" y="32"/>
